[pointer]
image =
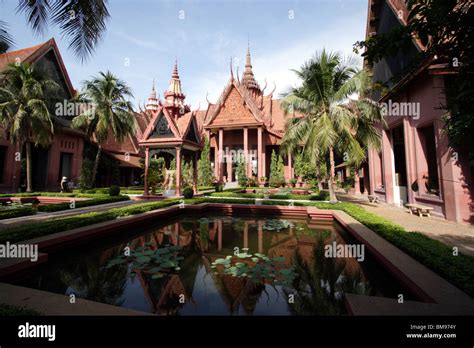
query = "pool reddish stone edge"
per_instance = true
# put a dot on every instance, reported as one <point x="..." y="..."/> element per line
<point x="390" y="257"/>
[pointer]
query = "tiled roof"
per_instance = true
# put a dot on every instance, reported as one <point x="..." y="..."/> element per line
<point x="22" y="55"/>
<point x="33" y="54"/>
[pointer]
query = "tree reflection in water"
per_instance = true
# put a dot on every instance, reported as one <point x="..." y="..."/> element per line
<point x="322" y="282"/>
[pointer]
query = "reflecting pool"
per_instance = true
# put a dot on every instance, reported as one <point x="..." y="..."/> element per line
<point x="217" y="265"/>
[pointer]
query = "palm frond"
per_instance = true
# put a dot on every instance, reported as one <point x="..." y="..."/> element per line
<point x="37" y="13"/>
<point x="6" y="40"/>
<point x="83" y="21"/>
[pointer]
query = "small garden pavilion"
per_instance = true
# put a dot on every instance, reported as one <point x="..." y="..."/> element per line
<point x="172" y="131"/>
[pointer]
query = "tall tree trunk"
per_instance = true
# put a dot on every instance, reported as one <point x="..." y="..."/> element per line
<point x="96" y="164"/>
<point x="29" y="167"/>
<point x="331" y="183"/>
<point x="318" y="176"/>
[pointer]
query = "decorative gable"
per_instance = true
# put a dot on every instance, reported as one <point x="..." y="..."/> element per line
<point x="233" y="111"/>
<point x="162" y="128"/>
<point x="192" y="133"/>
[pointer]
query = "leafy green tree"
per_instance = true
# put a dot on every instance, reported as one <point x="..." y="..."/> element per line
<point x="241" y="172"/>
<point x="187" y="177"/>
<point x="109" y="112"/>
<point x="330" y="123"/>
<point x="87" y="169"/>
<point x="204" y="165"/>
<point x="25" y="93"/>
<point x="277" y="177"/>
<point x="156" y="173"/>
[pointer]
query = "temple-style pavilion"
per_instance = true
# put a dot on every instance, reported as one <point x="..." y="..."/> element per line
<point x="243" y="122"/>
<point x="247" y="121"/>
<point x="172" y="131"/>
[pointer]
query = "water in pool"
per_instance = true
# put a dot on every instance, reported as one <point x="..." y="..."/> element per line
<point x="216" y="265"/>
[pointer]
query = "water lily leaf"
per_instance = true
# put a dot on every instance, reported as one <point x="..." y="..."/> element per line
<point x="143" y="259"/>
<point x="157" y="276"/>
<point x="168" y="264"/>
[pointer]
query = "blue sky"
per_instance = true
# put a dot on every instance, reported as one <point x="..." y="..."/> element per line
<point x="144" y="37"/>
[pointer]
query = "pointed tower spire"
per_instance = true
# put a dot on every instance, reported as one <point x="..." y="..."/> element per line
<point x="174" y="97"/>
<point x="152" y="103"/>
<point x="248" y="79"/>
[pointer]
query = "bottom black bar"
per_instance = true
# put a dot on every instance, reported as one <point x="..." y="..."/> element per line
<point x="291" y="331"/>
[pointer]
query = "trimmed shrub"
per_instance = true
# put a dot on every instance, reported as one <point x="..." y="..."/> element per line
<point x="188" y="192"/>
<point x="102" y="199"/>
<point x="114" y="190"/>
<point x="16" y="211"/>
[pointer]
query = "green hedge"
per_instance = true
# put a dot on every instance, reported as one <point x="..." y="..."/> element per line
<point x="37" y="229"/>
<point x="8" y="311"/>
<point x="322" y="196"/>
<point x="16" y="211"/>
<point x="230" y="194"/>
<point x="103" y="199"/>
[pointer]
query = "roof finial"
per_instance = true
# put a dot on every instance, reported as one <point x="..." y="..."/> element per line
<point x="175" y="69"/>
<point x="231" y="70"/>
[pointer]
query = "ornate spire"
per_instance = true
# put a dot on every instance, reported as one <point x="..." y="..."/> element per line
<point x="152" y="103"/>
<point x="174" y="97"/>
<point x="248" y="79"/>
<point x="175" y="82"/>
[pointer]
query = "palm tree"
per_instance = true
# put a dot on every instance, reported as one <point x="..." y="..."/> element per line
<point x="82" y="21"/>
<point x="108" y="113"/>
<point x="331" y="122"/>
<point x="25" y="93"/>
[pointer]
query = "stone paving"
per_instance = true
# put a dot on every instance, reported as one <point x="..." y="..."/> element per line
<point x="450" y="233"/>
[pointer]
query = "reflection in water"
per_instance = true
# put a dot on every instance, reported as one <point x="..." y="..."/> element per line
<point x="195" y="288"/>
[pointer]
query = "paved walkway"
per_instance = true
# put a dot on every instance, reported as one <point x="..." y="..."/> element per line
<point x="450" y="233"/>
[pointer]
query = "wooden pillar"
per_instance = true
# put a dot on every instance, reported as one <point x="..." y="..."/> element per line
<point x="388" y="166"/>
<point x="260" y="154"/>
<point x="216" y="159"/>
<point x="246" y="152"/>
<point x="147" y="164"/>
<point x="229" y="165"/>
<point x="178" y="171"/>
<point x="220" y="154"/>
<point x="356" y="181"/>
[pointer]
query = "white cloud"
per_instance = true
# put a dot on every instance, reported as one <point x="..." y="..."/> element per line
<point x="141" y="43"/>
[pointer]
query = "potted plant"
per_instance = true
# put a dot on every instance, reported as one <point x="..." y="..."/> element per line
<point x="263" y="181"/>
